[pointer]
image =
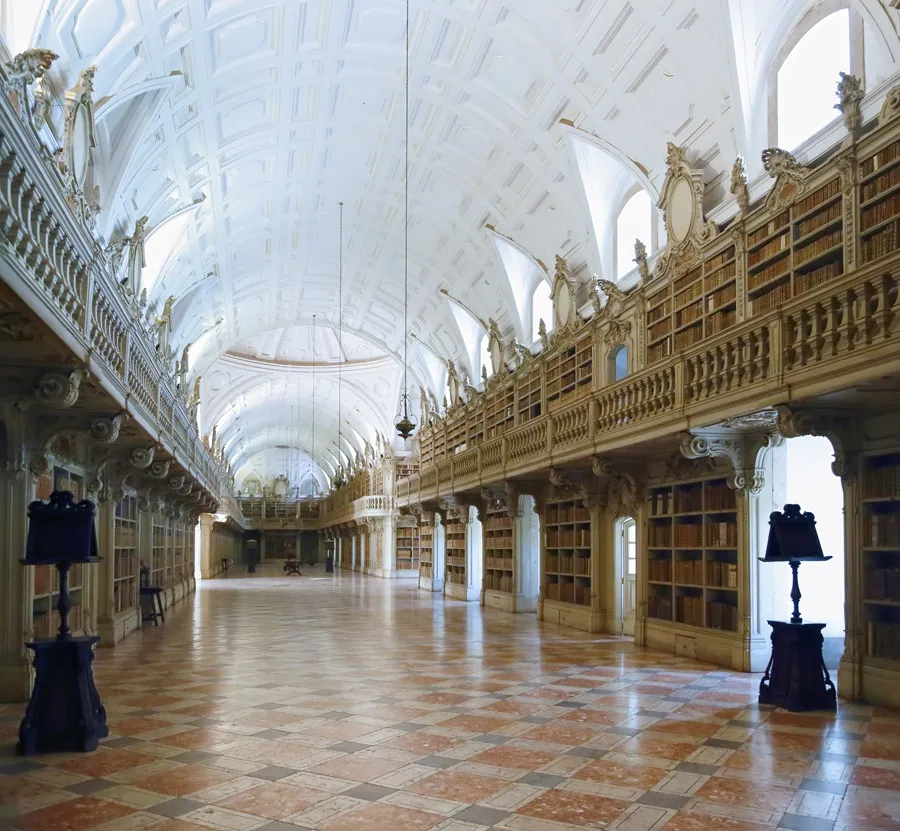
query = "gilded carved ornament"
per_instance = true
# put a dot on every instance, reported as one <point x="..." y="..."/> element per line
<point x="562" y="294"/>
<point x="891" y="107"/>
<point x="739" y="188"/>
<point x="27" y="68"/>
<point x="789" y="175"/>
<point x="76" y="161"/>
<point x="850" y="95"/>
<point x="681" y="201"/>
<point x="495" y="349"/>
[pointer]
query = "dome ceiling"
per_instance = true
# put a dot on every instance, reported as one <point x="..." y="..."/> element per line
<point x="268" y="115"/>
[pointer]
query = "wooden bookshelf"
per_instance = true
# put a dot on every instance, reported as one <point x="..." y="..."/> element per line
<point x="567" y="553"/>
<point x="160" y="570"/>
<point x="499" y="554"/>
<point x="426" y="551"/>
<point x="456" y="552"/>
<point x="178" y="551"/>
<point x="529" y="393"/>
<point x="569" y="372"/>
<point x="879" y="196"/>
<point x="125" y="553"/>
<point x="407" y="548"/>
<point x="880" y="518"/>
<point x="692" y="555"/>
<point x="797" y="250"/>
<point x="694" y="306"/>
<point x="500" y="411"/>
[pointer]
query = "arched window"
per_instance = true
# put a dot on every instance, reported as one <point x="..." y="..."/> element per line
<point x="618" y="362"/>
<point x="806" y="79"/>
<point x="541" y="309"/>
<point x="484" y="358"/>
<point x="635" y="221"/>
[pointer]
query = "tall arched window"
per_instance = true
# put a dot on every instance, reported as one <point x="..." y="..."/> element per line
<point x="635" y="221"/>
<point x="541" y="309"/>
<point x="484" y="358"/>
<point x="618" y="362"/>
<point x="806" y="79"/>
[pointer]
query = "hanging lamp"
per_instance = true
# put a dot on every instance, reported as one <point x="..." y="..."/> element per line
<point x="338" y="480"/>
<point x="312" y="455"/>
<point x="405" y="423"/>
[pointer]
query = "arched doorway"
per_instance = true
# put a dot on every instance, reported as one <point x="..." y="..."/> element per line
<point x="626" y="566"/>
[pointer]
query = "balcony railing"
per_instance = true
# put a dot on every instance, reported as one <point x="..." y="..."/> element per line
<point x="56" y="266"/>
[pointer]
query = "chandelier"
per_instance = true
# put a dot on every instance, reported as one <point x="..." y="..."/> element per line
<point x="338" y="480"/>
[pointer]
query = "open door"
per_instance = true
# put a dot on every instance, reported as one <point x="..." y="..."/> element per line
<point x="627" y="544"/>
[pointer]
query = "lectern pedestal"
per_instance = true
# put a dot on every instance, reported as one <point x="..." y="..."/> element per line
<point x="796" y="677"/>
<point x="64" y="713"/>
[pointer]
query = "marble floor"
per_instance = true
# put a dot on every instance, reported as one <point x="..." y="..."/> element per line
<point x="349" y="703"/>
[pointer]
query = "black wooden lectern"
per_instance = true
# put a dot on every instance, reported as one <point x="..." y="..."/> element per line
<point x="796" y="677"/>
<point x="64" y="713"/>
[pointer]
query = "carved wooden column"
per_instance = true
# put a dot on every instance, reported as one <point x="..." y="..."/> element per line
<point x="207" y="521"/>
<point x="388" y="533"/>
<point x="106" y="569"/>
<point x="474" y="553"/>
<point x="16" y="589"/>
<point x="527" y="553"/>
<point x="439" y="552"/>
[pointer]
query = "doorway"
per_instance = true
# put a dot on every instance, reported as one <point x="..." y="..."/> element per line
<point x="811" y="484"/>
<point x="626" y="546"/>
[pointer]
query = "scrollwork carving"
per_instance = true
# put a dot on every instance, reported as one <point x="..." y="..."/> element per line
<point x="106" y="430"/>
<point x="60" y="390"/>
<point x="142" y="457"/>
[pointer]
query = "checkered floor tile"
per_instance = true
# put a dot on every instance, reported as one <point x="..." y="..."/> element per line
<point x="348" y="703"/>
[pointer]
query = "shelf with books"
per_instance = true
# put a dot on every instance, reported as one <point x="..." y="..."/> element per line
<point x="569" y="372"/>
<point x="456" y="552"/>
<point x="407" y="547"/>
<point x="567" y="552"/>
<point x="426" y="550"/>
<point x="160" y="570"/>
<point x="499" y="556"/>
<point x="125" y="545"/>
<point x="528" y="395"/>
<point x="880" y="536"/>
<point x="797" y="251"/>
<point x="178" y="551"/>
<point x="500" y="411"/>
<point x="692" y="551"/>
<point x="698" y="303"/>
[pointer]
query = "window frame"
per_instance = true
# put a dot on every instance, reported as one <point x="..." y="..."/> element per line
<point x="652" y="243"/>
<point x="808" y="21"/>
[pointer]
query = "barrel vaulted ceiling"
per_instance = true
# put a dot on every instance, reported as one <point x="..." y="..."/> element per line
<point x="237" y="126"/>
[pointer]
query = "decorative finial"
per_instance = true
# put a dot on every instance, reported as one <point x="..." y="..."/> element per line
<point x="739" y="184"/>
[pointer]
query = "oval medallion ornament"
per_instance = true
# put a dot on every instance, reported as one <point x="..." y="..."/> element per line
<point x="81" y="145"/>
<point x="680" y="210"/>
<point x="563" y="306"/>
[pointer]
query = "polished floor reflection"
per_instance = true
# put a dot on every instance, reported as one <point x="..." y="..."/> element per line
<point x="353" y="704"/>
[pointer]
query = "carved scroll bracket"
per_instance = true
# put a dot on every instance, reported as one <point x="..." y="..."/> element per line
<point x="741" y="451"/>
<point x="621" y="487"/>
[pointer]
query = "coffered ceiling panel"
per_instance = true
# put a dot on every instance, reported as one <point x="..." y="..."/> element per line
<point x="282" y="109"/>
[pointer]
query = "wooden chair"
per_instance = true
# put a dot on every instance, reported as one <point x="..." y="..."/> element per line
<point x="152" y="607"/>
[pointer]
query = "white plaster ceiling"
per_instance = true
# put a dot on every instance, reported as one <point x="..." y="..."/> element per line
<point x="284" y="108"/>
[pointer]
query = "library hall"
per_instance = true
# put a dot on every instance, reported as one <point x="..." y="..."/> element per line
<point x="449" y="415"/>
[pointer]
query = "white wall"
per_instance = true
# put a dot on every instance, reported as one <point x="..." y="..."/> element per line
<point x="812" y="486"/>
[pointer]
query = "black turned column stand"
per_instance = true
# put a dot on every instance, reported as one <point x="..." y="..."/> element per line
<point x="64" y="712"/>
